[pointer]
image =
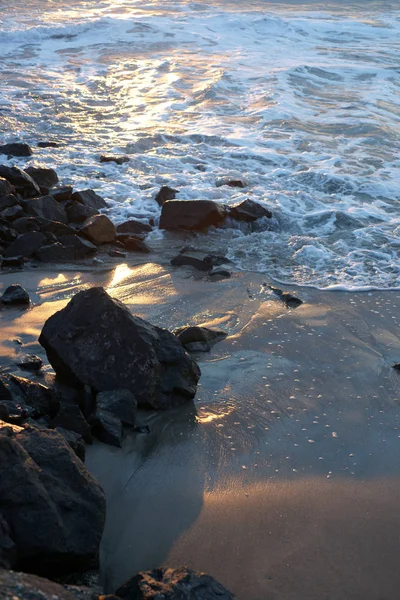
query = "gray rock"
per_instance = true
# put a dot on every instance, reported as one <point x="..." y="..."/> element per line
<point x="116" y="254"/>
<point x="173" y="584"/>
<point x="290" y="300"/>
<point x="13" y="262"/>
<point x="90" y="199"/>
<point x="56" y="228"/>
<point x="230" y="182"/>
<point x="133" y="244"/>
<point x="61" y="193"/>
<point x="96" y="341"/>
<point x="26" y="244"/>
<point x="81" y="248"/>
<point x="55" y="509"/>
<point x="119" y="403"/>
<point x="22" y="182"/>
<point x="8" y="550"/>
<point x="7" y="233"/>
<point x="220" y="273"/>
<point x="99" y="230"/>
<point x="55" y="253"/>
<point x="107" y="428"/>
<point x="43" y="176"/>
<point x="133" y="227"/>
<point x="15" y="294"/>
<point x="16" y="149"/>
<point x="48" y="144"/>
<point x="74" y="441"/>
<point x="184" y="260"/>
<point x="12" y="213"/>
<point x="45" y="207"/>
<point x="192" y="215"/>
<point x="29" y="395"/>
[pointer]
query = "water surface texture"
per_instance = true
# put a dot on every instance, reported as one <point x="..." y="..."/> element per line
<point x="299" y="99"/>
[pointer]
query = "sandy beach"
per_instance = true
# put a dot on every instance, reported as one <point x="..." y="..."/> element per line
<point x="282" y="478"/>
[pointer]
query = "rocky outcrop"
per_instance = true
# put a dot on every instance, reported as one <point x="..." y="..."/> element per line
<point x="54" y="508"/>
<point x="192" y="215"/>
<point x="16" y="149"/>
<point x="99" y="230"/>
<point x="173" y="584"/>
<point x="96" y="341"/>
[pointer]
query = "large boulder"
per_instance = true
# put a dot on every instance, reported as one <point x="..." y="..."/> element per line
<point x="26" y="244"/>
<point x="96" y="341"/>
<point x="16" y="149"/>
<point x="44" y="176"/>
<point x="46" y="207"/>
<point x="23" y="183"/>
<point x="99" y="229"/>
<point x="191" y="214"/>
<point x="90" y="199"/>
<point x="54" y="508"/>
<point x="173" y="584"/>
<point x="133" y="227"/>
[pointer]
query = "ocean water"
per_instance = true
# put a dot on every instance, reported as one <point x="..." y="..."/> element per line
<point x="301" y="99"/>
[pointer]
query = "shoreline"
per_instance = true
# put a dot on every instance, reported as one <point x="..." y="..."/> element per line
<point x="249" y="482"/>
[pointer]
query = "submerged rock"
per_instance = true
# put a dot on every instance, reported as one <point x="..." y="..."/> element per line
<point x="96" y="341"/>
<point x="16" y="149"/>
<point x="165" y="193"/>
<point x="15" y="294"/>
<point x="173" y="584"/>
<point x="249" y="211"/>
<point x="191" y="214"/>
<point x="78" y="213"/>
<point x="119" y="160"/>
<point x="183" y="260"/>
<point x="199" y="339"/>
<point x="55" y="509"/>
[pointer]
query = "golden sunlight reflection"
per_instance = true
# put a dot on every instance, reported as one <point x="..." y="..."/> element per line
<point x="121" y="272"/>
<point x="207" y="416"/>
<point x="48" y="281"/>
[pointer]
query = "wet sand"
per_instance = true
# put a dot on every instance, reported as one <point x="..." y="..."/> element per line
<point x="282" y="479"/>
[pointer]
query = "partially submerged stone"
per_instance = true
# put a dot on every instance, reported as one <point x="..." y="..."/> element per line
<point x="30" y="362"/>
<point x="132" y="227"/>
<point x="192" y="215"/>
<point x="119" y="160"/>
<point x="96" y="341"/>
<point x="16" y="149"/>
<point x="15" y="294"/>
<point x="249" y="211"/>
<point x="165" y="193"/>
<point x="191" y="261"/>
<point x="199" y="339"/>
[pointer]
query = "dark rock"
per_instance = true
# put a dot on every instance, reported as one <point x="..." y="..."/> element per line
<point x="191" y="214"/>
<point x="55" y="253"/>
<point x="13" y="261"/>
<point x="12" y="213"/>
<point x="56" y="228"/>
<point x="55" y="509"/>
<point x="81" y="248"/>
<point x="199" y="339"/>
<point x="183" y="260"/>
<point x="16" y="149"/>
<point x="107" y="428"/>
<point x="26" y="224"/>
<point x="43" y="176"/>
<point x="96" y="341"/>
<point x="78" y="213"/>
<point x="22" y="182"/>
<point x="133" y="244"/>
<point x="215" y="260"/>
<point x="220" y="273"/>
<point x="230" y="182"/>
<point x="50" y="238"/>
<point x="4" y="412"/>
<point x="70" y="417"/>
<point x="8" y="200"/>
<point x="99" y="229"/>
<point x="31" y="362"/>
<point x="132" y="227"/>
<point x="61" y="193"/>
<point x="15" y="295"/>
<point x="173" y="584"/>
<point x="42" y="399"/>
<point x="248" y="210"/>
<point x="288" y="299"/>
<point x="74" y="441"/>
<point x="7" y="233"/>
<point x="119" y="403"/>
<point x="116" y="254"/>
<point x="26" y="244"/>
<point x="396" y="366"/>
<point x="90" y="199"/>
<point x="22" y="586"/>
<point x="5" y="187"/>
<point x="165" y="193"/>
<point x="48" y="144"/>
<point x="46" y="207"/>
<point x="119" y="160"/>
<point x="8" y="550"/>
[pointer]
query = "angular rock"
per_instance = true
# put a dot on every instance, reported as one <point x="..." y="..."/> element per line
<point x="70" y="417"/>
<point x="81" y="248"/>
<point x="90" y="199"/>
<point x="107" y="428"/>
<point x="173" y="584"/>
<point x="78" y="213"/>
<point x="119" y="403"/>
<point x="5" y="187"/>
<point x="133" y="244"/>
<point x="42" y="399"/>
<point x="231" y="182"/>
<point x="119" y="160"/>
<point x="12" y="213"/>
<point x="55" y="253"/>
<point x="8" y="200"/>
<point x="61" y="193"/>
<point x="26" y="224"/>
<point x="15" y="295"/>
<point x="199" y="339"/>
<point x="45" y="207"/>
<point x="165" y="193"/>
<point x="8" y="550"/>
<point x="13" y="262"/>
<point x="133" y="227"/>
<point x="7" y="233"/>
<point x="99" y="230"/>
<point x="43" y="176"/>
<point x="193" y="215"/>
<point x="22" y="182"/>
<point x="290" y="300"/>
<point x="30" y="362"/>
<point x="183" y="260"/>
<point x="248" y="210"/>
<point x="56" y="228"/>
<point x="26" y="244"/>
<point x="16" y="149"/>
<point x="74" y="441"/>
<point x="55" y="509"/>
<point x="48" y="144"/>
<point x="22" y="586"/>
<point x="96" y="341"/>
